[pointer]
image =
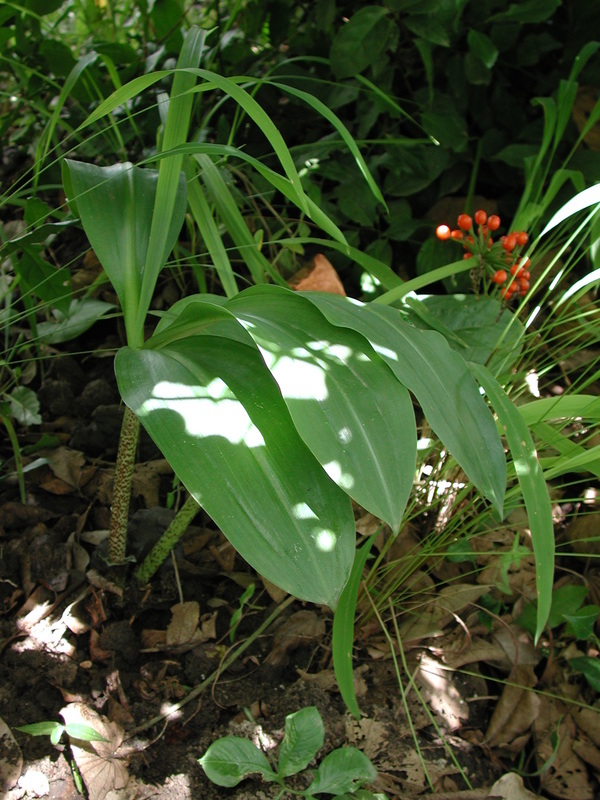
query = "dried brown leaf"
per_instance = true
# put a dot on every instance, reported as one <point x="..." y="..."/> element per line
<point x="184" y="623"/>
<point x="101" y="770"/>
<point x="510" y="787"/>
<point x="300" y="629"/>
<point x="515" y="711"/>
<point x="318" y="276"/>
<point x="429" y="618"/>
<point x="11" y="760"/>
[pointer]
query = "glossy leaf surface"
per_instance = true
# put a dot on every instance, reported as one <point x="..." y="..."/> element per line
<point x="440" y="380"/>
<point x="347" y="405"/>
<point x="212" y="407"/>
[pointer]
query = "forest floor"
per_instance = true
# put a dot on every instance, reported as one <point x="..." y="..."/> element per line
<point x="480" y="702"/>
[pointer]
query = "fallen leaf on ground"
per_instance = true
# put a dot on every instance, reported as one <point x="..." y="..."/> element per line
<point x="11" y="760"/>
<point x="300" y="629"/>
<point x="100" y="769"/>
<point x="515" y="711"/>
<point x="429" y="618"/>
<point x="184" y="623"/>
<point x="69" y="467"/>
<point x="510" y="787"/>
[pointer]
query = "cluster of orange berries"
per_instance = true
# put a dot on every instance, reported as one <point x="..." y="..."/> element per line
<point x="502" y="258"/>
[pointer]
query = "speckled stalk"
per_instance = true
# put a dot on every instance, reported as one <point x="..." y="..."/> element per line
<point x="117" y="540"/>
<point x="167" y="541"/>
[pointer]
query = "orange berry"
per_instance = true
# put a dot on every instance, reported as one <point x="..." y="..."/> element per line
<point x="458" y="235"/>
<point x="500" y="276"/>
<point x="480" y="217"/>
<point x="464" y="221"/>
<point x="509" y="243"/>
<point x="493" y="222"/>
<point x="524" y="286"/>
<point x="521" y="237"/>
<point x="467" y="255"/>
<point x="442" y="232"/>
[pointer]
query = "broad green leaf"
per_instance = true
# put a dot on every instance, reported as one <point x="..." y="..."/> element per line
<point x="116" y="206"/>
<point x="304" y="734"/>
<point x="358" y="43"/>
<point x="43" y="280"/>
<point x="533" y="486"/>
<point x="82" y="314"/>
<point x="84" y="732"/>
<point x="566" y="600"/>
<point x="40" y="728"/>
<point x="440" y="380"/>
<point x="212" y="407"/>
<point x="590" y="668"/>
<point x="528" y="11"/>
<point x="342" y="638"/>
<point x="25" y="406"/>
<point x="480" y="324"/>
<point x="428" y="28"/>
<point x="343" y="770"/>
<point x="482" y="47"/>
<point x="231" y="759"/>
<point x="581" y="624"/>
<point x="346" y="403"/>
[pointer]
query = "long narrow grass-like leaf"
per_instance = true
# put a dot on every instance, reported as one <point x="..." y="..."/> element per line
<point x="533" y="486"/>
<point x="207" y="226"/>
<point x="567" y="406"/>
<point x="169" y="173"/>
<point x="571" y="456"/>
<point x="342" y="637"/>
<point x="279" y="182"/>
<point x="44" y="143"/>
<point x="233" y="220"/>
<point x="347" y="137"/>
<point x="421" y="281"/>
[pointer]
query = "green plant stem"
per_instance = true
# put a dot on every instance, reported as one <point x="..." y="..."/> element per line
<point x="221" y="668"/>
<point x="167" y="541"/>
<point x="17" y="454"/>
<point x="117" y="540"/>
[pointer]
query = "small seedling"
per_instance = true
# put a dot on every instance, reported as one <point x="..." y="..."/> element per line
<point x="341" y="773"/>
<point x="55" y="731"/>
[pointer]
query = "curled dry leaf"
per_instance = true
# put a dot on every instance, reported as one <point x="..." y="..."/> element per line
<point x="318" y="276"/>
<point x="11" y="760"/>
<point x="102" y="771"/>
<point x="184" y="623"/>
<point x="566" y="776"/>
<point x="429" y="618"/>
<point x="510" y="787"/>
<point x="300" y="629"/>
<point x="515" y="711"/>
